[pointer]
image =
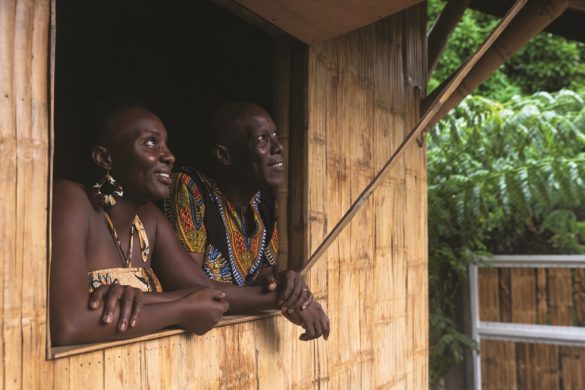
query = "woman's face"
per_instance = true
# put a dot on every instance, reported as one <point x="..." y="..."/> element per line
<point x="141" y="160"/>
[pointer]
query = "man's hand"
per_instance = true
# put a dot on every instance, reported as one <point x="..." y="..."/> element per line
<point x="294" y="293"/>
<point x="313" y="319"/>
<point x="128" y="300"/>
<point x="202" y="310"/>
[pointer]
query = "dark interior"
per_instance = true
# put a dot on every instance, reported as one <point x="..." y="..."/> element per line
<point x="181" y="58"/>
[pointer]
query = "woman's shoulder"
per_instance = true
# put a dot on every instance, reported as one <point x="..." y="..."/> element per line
<point x="150" y="212"/>
<point x="70" y="193"/>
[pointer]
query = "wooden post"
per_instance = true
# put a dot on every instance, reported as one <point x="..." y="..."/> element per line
<point x="533" y="18"/>
<point x="24" y="140"/>
<point x="442" y="29"/>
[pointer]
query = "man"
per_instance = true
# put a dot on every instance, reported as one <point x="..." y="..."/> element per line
<point x="226" y="217"/>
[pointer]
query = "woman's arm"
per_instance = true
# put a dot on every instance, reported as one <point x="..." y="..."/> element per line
<point x="72" y="320"/>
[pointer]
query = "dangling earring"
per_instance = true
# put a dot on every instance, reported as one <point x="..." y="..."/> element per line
<point x="104" y="190"/>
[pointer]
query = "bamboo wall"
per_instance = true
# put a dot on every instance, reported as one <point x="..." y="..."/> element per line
<point x="532" y="296"/>
<point x="362" y="98"/>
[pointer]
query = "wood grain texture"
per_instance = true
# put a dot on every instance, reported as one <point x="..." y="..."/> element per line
<point x="24" y="136"/>
<point x="533" y="296"/>
<point x="357" y="97"/>
<point x="362" y="89"/>
<point x="315" y="21"/>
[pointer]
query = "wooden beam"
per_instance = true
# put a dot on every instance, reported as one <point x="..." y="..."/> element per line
<point x="442" y="29"/>
<point x="578" y="5"/>
<point x="533" y="19"/>
<point x="70" y="350"/>
<point x="421" y="125"/>
<point x="314" y="21"/>
<point x="249" y="16"/>
<point x="564" y="26"/>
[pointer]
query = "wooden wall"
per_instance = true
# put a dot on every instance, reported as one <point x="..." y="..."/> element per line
<point x="363" y="99"/>
<point x="363" y="90"/>
<point x="532" y="296"/>
<point x="24" y="149"/>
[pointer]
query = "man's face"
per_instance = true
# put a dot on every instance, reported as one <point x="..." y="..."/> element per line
<point x="263" y="162"/>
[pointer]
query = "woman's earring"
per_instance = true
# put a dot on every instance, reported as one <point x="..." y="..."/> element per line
<point x="104" y="190"/>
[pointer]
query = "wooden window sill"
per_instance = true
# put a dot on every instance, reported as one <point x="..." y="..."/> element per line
<point x="70" y="350"/>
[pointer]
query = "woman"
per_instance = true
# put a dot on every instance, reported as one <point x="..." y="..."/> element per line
<point x="106" y="241"/>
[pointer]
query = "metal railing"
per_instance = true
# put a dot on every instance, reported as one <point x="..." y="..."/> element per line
<point x="527" y="333"/>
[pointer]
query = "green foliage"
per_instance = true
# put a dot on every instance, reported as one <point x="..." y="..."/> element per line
<point x="546" y="63"/>
<point x="503" y="177"/>
<point x="499" y="172"/>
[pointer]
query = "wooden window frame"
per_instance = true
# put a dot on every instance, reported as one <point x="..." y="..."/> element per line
<point x="290" y="100"/>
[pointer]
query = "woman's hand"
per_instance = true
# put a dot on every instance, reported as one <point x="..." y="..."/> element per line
<point x="313" y="319"/>
<point x="294" y="293"/>
<point x="202" y="310"/>
<point x="128" y="300"/>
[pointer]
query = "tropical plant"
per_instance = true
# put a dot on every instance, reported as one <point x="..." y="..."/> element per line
<point x="546" y="63"/>
<point x="499" y="172"/>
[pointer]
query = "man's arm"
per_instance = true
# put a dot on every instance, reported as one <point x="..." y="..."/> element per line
<point x="177" y="270"/>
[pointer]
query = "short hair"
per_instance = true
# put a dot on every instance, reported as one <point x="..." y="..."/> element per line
<point x="105" y="112"/>
<point x="228" y="120"/>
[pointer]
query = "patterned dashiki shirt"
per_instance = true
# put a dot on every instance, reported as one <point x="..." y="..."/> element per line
<point x="208" y="223"/>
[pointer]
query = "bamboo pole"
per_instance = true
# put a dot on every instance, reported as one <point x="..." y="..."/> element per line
<point x="281" y="113"/>
<point x="442" y="29"/>
<point x="444" y="95"/>
<point x="533" y="18"/>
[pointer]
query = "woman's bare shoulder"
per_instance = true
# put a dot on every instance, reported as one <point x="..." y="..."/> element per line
<point x="70" y="194"/>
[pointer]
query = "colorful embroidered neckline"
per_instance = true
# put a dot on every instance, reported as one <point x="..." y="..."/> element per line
<point x="245" y="252"/>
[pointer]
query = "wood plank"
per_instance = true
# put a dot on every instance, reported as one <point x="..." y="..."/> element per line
<point x="237" y="359"/>
<point x="60" y="352"/>
<point x="560" y="296"/>
<point x="488" y="288"/>
<point x="17" y="342"/>
<point x="281" y="117"/>
<point x="523" y="286"/>
<point x="304" y="19"/>
<point x="538" y="366"/>
<point x="61" y="374"/>
<point x="579" y="296"/>
<point x="123" y="366"/>
<point x="505" y="294"/>
<point x="34" y="262"/>
<point x="572" y="361"/>
<point x="541" y="296"/>
<point x="87" y="371"/>
<point x="8" y="193"/>
<point x="298" y="156"/>
<point x="498" y="365"/>
<point x="157" y="365"/>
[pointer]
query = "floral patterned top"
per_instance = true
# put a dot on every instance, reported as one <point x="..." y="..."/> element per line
<point x="138" y="277"/>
